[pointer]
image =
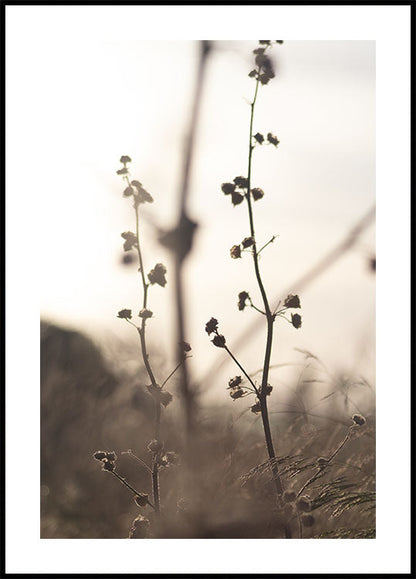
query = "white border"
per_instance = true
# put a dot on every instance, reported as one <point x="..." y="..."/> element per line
<point x="390" y="552"/>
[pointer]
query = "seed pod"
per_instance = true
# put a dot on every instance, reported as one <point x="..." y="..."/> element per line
<point x="141" y="500"/>
<point x="219" y="341"/>
<point x="358" y="419"/>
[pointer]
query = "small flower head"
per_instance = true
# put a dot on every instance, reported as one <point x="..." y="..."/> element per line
<point x="273" y="140"/>
<point x="108" y="465"/>
<point x="322" y="462"/>
<point x="128" y="192"/>
<point x="186" y="347"/>
<point x="157" y="275"/>
<point x="259" y="138"/>
<point x="142" y="196"/>
<point x="257" y="193"/>
<point x="228" y="188"/>
<point x="247" y="242"/>
<point x="236" y="393"/>
<point x="141" y="500"/>
<point x="211" y="326"/>
<point x="125" y="159"/>
<point x="236" y="198"/>
<point x="235" y="251"/>
<point x="265" y="77"/>
<point x="296" y="321"/>
<point x="358" y="419"/>
<point x="292" y="301"/>
<point x="241" y="182"/>
<point x="268" y="389"/>
<point x="219" y="341"/>
<point x="145" y="314"/>
<point x="99" y="455"/>
<point x="234" y="382"/>
<point x="242" y="298"/>
<point x="256" y="408"/>
<point x="111" y="456"/>
<point x="123" y="171"/>
<point x="130" y="240"/>
<point x="124" y="314"/>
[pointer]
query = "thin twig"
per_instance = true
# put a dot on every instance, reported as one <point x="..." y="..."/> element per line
<point x="126" y="484"/>
<point x="142" y="462"/>
<point x="173" y="371"/>
<point x="242" y="369"/>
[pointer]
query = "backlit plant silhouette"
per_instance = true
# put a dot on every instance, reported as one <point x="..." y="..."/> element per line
<point x="241" y="190"/>
<point x="161" y="397"/>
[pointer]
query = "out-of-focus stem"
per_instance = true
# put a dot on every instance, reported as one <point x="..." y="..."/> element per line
<point x="184" y="246"/>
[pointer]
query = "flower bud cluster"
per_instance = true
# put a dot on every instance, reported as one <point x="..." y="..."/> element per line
<point x="242" y="298"/>
<point x="130" y="240"/>
<point x="211" y="327"/>
<point x="292" y="301"/>
<point x="256" y="408"/>
<point x="359" y="420"/>
<point x="158" y="275"/>
<point x="236" y="250"/>
<point x="107" y="459"/>
<point x="135" y="189"/>
<point x="239" y="189"/>
<point x="236" y="387"/>
<point x="271" y="139"/>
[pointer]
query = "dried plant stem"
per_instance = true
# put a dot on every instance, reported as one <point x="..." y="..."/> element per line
<point x="126" y="484"/>
<point x="242" y="369"/>
<point x="145" y="356"/>
<point x="269" y="316"/>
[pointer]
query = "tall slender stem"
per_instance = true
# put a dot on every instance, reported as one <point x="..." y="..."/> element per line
<point x="269" y="316"/>
<point x="145" y="356"/>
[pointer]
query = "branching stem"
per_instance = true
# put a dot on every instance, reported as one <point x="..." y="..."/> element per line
<point x="142" y="334"/>
<point x="269" y="316"/>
